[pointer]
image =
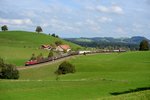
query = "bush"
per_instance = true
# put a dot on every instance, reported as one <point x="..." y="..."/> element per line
<point x="144" y="45"/>
<point x="65" y="68"/>
<point x="40" y="57"/>
<point x="1" y="63"/>
<point x="50" y="54"/>
<point x="8" y="71"/>
<point x="33" y="57"/>
<point x="58" y="43"/>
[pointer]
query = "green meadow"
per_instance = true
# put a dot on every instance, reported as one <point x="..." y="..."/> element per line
<point x="16" y="47"/>
<point x="95" y="78"/>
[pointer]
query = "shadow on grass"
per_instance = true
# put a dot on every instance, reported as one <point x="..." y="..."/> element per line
<point x="131" y="91"/>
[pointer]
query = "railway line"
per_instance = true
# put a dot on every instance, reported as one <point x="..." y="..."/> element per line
<point x="49" y="61"/>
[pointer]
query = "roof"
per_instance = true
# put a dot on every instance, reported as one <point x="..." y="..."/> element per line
<point x="65" y="47"/>
<point x="45" y="46"/>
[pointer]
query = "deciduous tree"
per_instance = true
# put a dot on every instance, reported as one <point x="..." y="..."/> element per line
<point x="144" y="45"/>
<point x="65" y="68"/>
<point x="4" y="28"/>
<point x="38" y="29"/>
<point x="50" y="54"/>
<point x="8" y="71"/>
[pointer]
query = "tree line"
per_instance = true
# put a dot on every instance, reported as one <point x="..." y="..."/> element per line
<point x="38" y="30"/>
<point x="144" y="45"/>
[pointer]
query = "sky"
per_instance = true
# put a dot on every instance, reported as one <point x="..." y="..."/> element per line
<point x="78" y="18"/>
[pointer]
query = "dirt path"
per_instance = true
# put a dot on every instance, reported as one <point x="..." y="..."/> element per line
<point x="44" y="64"/>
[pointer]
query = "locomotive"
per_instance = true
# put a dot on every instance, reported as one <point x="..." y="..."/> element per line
<point x="43" y="60"/>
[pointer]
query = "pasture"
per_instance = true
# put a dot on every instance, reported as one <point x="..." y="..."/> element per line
<point x="96" y="77"/>
<point x="16" y="47"/>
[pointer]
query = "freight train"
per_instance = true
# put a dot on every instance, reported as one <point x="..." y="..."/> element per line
<point x="43" y="60"/>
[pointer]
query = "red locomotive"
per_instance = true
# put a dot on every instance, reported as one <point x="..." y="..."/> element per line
<point x="31" y="62"/>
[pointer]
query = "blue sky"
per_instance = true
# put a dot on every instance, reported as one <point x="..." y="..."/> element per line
<point x="78" y="18"/>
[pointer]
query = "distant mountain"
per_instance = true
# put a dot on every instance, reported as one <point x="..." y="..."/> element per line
<point x="138" y="39"/>
<point x="109" y="42"/>
<point x="132" y="40"/>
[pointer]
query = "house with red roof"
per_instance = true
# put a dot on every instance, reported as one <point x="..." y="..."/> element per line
<point x="48" y="47"/>
<point x="63" y="48"/>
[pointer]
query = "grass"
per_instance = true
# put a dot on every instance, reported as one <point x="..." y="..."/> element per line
<point x="97" y="76"/>
<point x="17" y="46"/>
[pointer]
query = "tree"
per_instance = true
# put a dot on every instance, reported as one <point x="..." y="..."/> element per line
<point x="53" y="35"/>
<point x="64" y="68"/>
<point x="33" y="57"/>
<point x="8" y="71"/>
<point x="4" y="28"/>
<point x="57" y="36"/>
<point x="144" y="45"/>
<point x="40" y="57"/>
<point x="2" y="64"/>
<point x="38" y="29"/>
<point x="50" y="54"/>
<point x="58" y="43"/>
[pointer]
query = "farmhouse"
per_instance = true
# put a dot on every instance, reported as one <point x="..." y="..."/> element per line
<point x="63" y="48"/>
<point x="48" y="47"/>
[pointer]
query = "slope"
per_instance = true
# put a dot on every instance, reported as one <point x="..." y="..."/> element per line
<point x="17" y="46"/>
<point x="96" y="77"/>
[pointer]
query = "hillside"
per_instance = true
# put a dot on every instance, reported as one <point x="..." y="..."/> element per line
<point x="17" y="46"/>
<point x="28" y="39"/>
<point x="132" y="40"/>
<point x="95" y="78"/>
<point x="107" y="42"/>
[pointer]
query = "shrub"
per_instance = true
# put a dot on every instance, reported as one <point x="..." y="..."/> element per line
<point x="65" y="68"/>
<point x="1" y="63"/>
<point x="40" y="57"/>
<point x="58" y="43"/>
<point x="144" y="45"/>
<point x="8" y="71"/>
<point x="50" y="54"/>
<point x="33" y="57"/>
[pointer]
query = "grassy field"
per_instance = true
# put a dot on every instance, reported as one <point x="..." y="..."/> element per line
<point x="97" y="76"/>
<point x="17" y="46"/>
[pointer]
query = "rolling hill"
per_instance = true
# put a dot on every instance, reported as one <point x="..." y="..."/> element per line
<point x="96" y="77"/>
<point x="107" y="42"/>
<point x="17" y="46"/>
<point x="132" y="40"/>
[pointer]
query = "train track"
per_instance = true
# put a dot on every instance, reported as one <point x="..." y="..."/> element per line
<point x="46" y="63"/>
<point x="54" y="61"/>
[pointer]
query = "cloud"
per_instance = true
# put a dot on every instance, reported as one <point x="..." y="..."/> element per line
<point x="15" y="21"/>
<point x="137" y="28"/>
<point x="120" y="31"/>
<point x="105" y="19"/>
<point x="86" y="17"/>
<point x="116" y="9"/>
<point x="113" y="9"/>
<point x="103" y="9"/>
<point x="92" y="25"/>
<point x="29" y="13"/>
